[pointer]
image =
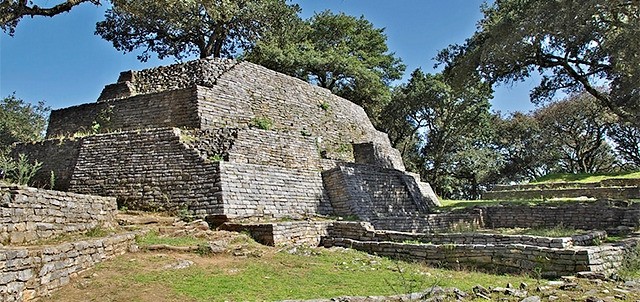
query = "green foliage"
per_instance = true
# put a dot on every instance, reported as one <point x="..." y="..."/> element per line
<point x="556" y="231"/>
<point x="216" y="158"/>
<point x="324" y="106"/>
<point x="102" y="122"/>
<point x="449" y="129"/>
<point x="19" y="171"/>
<point x="178" y="28"/>
<point x="574" y="45"/>
<point x="576" y="129"/>
<point x="630" y="268"/>
<point x="21" y="121"/>
<point x="96" y="232"/>
<point x="626" y="138"/>
<point x="344" y="54"/>
<point x="263" y="123"/>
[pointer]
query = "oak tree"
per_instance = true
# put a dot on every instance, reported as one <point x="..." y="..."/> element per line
<point x="342" y="53"/>
<point x="575" y="45"/>
<point x="180" y="28"/>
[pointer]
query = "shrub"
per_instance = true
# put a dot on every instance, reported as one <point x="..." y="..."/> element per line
<point x="19" y="171"/>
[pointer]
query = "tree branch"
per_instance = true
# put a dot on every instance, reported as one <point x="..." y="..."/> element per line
<point x="12" y="11"/>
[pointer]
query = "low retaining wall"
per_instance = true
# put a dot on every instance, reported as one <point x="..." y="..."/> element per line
<point x="508" y="253"/>
<point x="29" y="214"/>
<point x="596" y="192"/>
<point x="514" y="258"/>
<point x="29" y="273"/>
<point x="282" y="233"/>
<point x="363" y="231"/>
<point x="442" y="222"/>
<point x="601" y="215"/>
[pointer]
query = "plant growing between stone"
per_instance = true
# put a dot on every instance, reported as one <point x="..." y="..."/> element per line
<point x="324" y="106"/>
<point x="263" y="123"/>
<point x="19" y="171"/>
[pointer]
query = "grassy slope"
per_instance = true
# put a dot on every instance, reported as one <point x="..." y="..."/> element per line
<point x="585" y="178"/>
<point x="278" y="274"/>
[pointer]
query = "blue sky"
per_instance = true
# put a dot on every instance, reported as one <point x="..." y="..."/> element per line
<point x="59" y="60"/>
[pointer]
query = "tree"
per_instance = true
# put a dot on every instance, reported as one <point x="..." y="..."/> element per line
<point x="578" y="126"/>
<point x="451" y="124"/>
<point x="179" y="28"/>
<point x="12" y="11"/>
<point x="344" y="54"/>
<point x="21" y="121"/>
<point x="575" y="44"/>
<point x="627" y="140"/>
<point x="525" y="147"/>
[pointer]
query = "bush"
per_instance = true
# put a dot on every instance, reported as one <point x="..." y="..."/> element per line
<point x="19" y="171"/>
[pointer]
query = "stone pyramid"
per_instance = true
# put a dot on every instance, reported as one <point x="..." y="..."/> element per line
<point x="229" y="140"/>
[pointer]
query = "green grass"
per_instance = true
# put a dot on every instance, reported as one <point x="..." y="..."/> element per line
<point x="584" y="178"/>
<point x="152" y="238"/>
<point x="323" y="274"/>
<point x="557" y="231"/>
<point x="448" y="204"/>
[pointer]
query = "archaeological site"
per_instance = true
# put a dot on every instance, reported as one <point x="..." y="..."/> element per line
<point x="251" y="150"/>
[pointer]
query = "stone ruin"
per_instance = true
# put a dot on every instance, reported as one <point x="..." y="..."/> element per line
<point x="253" y="150"/>
<point x="228" y="140"/>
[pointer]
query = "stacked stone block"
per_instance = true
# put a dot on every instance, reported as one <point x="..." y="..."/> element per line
<point x="228" y="139"/>
<point x="610" y="188"/>
<point x="552" y="257"/>
<point x="386" y="197"/>
<point x="28" y="215"/>
<point x="26" y="274"/>
<point x="283" y="233"/>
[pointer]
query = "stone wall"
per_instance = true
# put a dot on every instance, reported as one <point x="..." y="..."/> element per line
<point x="595" y="192"/>
<point x="443" y="222"/>
<point x="271" y="192"/>
<point x="177" y="76"/>
<point x="553" y="257"/>
<point x="283" y="233"/>
<point x="371" y="192"/>
<point x="175" y="108"/>
<point x="270" y="148"/>
<point x="509" y="258"/>
<point x="29" y="214"/>
<point x="147" y="169"/>
<point x="29" y="273"/>
<point x="56" y="155"/>
<point x="364" y="231"/>
<point x="585" y="216"/>
<point x="237" y="94"/>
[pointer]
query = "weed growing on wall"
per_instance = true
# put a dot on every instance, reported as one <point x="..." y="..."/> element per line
<point x="263" y="123"/>
<point x="215" y="158"/>
<point x="52" y="180"/>
<point x="324" y="106"/>
<point x="19" y="171"/>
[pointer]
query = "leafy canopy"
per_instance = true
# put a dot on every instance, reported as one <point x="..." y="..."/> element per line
<point x="575" y="44"/>
<point x="451" y="125"/>
<point x="342" y="53"/>
<point x="21" y="121"/>
<point x="180" y="28"/>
